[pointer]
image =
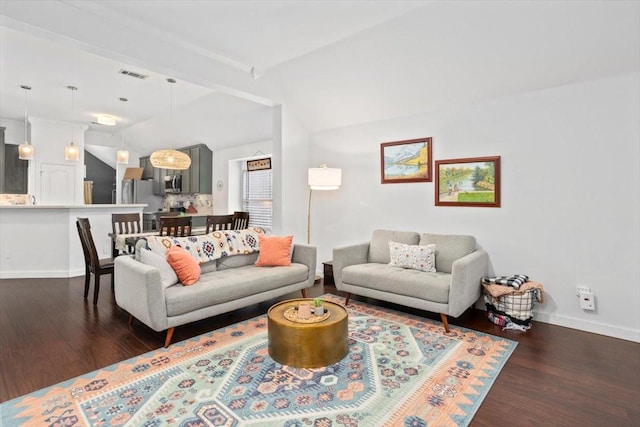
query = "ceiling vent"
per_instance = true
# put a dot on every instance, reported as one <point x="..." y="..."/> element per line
<point x="133" y="74"/>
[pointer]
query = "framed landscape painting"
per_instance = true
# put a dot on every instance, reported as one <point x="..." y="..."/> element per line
<point x="406" y="161"/>
<point x="468" y="182"/>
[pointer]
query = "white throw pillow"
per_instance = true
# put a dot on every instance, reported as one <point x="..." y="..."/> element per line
<point x="167" y="274"/>
<point x="416" y="257"/>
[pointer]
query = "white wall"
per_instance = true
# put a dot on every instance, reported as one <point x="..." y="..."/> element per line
<point x="570" y="193"/>
<point x="14" y="132"/>
<point x="290" y="185"/>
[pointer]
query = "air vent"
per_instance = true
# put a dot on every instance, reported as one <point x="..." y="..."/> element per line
<point x="133" y="74"/>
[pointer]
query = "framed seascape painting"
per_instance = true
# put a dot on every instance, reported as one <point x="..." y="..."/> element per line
<point x="406" y="161"/>
<point x="468" y="182"/>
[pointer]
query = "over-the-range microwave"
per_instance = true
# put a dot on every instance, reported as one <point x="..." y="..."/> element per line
<point x="173" y="184"/>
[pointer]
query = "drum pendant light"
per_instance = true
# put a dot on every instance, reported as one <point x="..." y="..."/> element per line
<point x="170" y="159"/>
<point x="123" y="155"/>
<point x="71" y="151"/>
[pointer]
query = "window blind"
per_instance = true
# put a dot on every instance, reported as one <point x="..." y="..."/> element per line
<point x="257" y="197"/>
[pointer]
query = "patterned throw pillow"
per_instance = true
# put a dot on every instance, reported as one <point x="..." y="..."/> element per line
<point x="416" y="257"/>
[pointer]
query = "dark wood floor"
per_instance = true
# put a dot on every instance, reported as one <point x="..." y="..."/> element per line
<point x="555" y="377"/>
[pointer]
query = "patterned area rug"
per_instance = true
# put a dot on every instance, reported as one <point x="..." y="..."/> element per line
<point x="401" y="370"/>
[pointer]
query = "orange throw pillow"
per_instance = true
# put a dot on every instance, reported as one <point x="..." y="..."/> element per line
<point x="186" y="267"/>
<point x="274" y="251"/>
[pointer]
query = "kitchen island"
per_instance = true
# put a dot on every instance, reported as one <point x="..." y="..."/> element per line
<point x="41" y="241"/>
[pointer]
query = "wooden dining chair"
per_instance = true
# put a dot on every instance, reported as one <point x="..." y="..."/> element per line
<point x="176" y="226"/>
<point x="92" y="263"/>
<point x="126" y="223"/>
<point x="240" y="220"/>
<point x="219" y="222"/>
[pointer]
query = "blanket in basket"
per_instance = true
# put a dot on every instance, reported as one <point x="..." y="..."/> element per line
<point x="509" y="307"/>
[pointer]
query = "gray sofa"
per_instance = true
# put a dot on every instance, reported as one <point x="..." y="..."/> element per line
<point x="363" y="269"/>
<point x="225" y="285"/>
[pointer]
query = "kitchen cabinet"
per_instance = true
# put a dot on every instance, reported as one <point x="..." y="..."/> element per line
<point x="198" y="179"/>
<point x="158" y="181"/>
<point x="157" y="175"/>
<point x="15" y="172"/>
<point x="147" y="167"/>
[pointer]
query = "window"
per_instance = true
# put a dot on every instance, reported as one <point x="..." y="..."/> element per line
<point x="257" y="197"/>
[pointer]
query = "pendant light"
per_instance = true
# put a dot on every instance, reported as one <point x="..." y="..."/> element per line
<point x="71" y="151"/>
<point x="25" y="150"/>
<point x="123" y="155"/>
<point x="170" y="159"/>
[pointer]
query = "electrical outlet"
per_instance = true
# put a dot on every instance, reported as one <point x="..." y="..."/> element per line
<point x="587" y="301"/>
<point x="583" y="290"/>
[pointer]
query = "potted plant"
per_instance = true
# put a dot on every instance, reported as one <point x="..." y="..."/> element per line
<point x="318" y="309"/>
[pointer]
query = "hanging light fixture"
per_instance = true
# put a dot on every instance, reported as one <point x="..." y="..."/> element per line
<point x="170" y="159"/>
<point x="71" y="151"/>
<point x="123" y="155"/>
<point x="25" y="150"/>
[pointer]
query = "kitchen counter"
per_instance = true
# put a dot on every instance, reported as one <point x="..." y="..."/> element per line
<point x="168" y="213"/>
<point x="96" y="207"/>
<point x="199" y="219"/>
<point x="42" y="240"/>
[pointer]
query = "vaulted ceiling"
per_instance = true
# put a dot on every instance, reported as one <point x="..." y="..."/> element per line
<point x="334" y="63"/>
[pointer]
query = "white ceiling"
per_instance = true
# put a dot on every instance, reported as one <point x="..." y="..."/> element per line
<point x="334" y="63"/>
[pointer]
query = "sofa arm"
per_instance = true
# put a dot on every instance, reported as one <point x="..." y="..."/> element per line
<point x="466" y="275"/>
<point x="346" y="256"/>
<point x="306" y="254"/>
<point x="138" y="290"/>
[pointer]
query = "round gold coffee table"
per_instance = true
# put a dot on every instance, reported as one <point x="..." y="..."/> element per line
<point x="307" y="345"/>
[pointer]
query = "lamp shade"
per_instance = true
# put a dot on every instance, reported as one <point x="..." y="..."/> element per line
<point x="25" y="151"/>
<point x="122" y="157"/>
<point x="170" y="159"/>
<point x="325" y="178"/>
<point x="71" y="152"/>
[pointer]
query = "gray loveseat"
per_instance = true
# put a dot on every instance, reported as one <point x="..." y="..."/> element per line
<point x="363" y="269"/>
<point x="225" y="285"/>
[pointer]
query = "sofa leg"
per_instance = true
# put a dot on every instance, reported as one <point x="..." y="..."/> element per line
<point x="130" y="319"/>
<point x="167" y="340"/>
<point x="445" y="322"/>
<point x="304" y="293"/>
<point x="346" y="299"/>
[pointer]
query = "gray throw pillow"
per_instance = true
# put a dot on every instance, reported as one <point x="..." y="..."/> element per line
<point x="167" y="274"/>
<point x="379" y="245"/>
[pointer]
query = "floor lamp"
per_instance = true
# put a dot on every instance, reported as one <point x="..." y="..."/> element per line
<point x="322" y="178"/>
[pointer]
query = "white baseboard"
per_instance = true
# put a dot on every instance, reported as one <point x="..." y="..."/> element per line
<point x="588" y="326"/>
<point x="30" y="274"/>
<point x="613" y="331"/>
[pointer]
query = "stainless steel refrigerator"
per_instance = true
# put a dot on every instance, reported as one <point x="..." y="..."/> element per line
<point x="137" y="191"/>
